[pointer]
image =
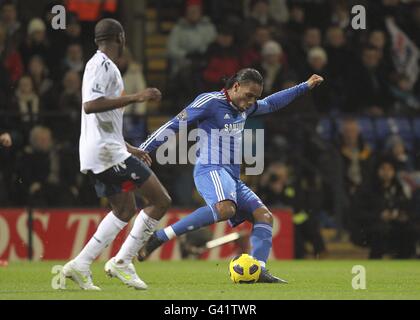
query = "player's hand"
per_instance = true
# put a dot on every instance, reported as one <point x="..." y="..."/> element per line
<point x="149" y="94"/>
<point x="5" y="140"/>
<point x="142" y="155"/>
<point x="314" y="81"/>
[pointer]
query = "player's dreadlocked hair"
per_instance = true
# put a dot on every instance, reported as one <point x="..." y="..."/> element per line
<point x="107" y="29"/>
<point x="243" y="76"/>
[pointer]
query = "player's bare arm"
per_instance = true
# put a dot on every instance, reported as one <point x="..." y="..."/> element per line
<point x="106" y="104"/>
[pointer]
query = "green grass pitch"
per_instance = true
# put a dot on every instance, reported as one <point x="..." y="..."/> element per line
<point x="184" y="280"/>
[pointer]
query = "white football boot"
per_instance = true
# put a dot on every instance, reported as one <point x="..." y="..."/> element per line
<point x="82" y="278"/>
<point x="126" y="273"/>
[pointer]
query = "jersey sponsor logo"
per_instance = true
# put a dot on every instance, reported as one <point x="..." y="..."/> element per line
<point x="234" y="126"/>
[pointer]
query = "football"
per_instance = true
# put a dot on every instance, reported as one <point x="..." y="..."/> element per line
<point x="244" y="269"/>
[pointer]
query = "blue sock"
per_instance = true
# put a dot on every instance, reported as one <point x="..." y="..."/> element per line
<point x="261" y="241"/>
<point x="201" y="217"/>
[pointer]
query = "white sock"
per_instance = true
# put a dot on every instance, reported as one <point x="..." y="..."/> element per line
<point x="143" y="228"/>
<point x="169" y="232"/>
<point x="107" y="230"/>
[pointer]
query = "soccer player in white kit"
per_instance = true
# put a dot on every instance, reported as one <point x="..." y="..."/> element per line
<point x="115" y="167"/>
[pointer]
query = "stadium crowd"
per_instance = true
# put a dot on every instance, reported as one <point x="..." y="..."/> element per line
<point x="342" y="156"/>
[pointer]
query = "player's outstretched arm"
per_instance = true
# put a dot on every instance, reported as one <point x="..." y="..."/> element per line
<point x="280" y="99"/>
<point x="196" y="111"/>
<point x="103" y="104"/>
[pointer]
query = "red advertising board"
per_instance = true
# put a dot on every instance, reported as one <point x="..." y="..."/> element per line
<point x="61" y="234"/>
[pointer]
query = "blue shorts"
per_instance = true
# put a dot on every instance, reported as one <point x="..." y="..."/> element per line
<point x="218" y="185"/>
<point x="123" y="177"/>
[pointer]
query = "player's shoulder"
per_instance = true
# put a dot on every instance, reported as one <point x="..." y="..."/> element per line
<point x="207" y="98"/>
<point x="100" y="63"/>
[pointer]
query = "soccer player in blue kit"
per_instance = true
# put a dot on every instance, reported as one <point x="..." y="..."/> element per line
<point x="218" y="182"/>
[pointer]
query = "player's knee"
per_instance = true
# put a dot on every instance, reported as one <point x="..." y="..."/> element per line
<point x="226" y="210"/>
<point x="264" y="216"/>
<point x="125" y="214"/>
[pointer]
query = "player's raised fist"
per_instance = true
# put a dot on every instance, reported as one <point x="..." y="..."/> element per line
<point x="314" y="81"/>
<point x="149" y="94"/>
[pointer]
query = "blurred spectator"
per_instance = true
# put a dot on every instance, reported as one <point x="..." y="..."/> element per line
<point x="396" y="151"/>
<point x="340" y="15"/>
<point x="296" y="25"/>
<point x="67" y="112"/>
<point x="191" y="36"/>
<point x="272" y="67"/>
<point x="50" y="179"/>
<point x="312" y="38"/>
<point x="135" y="128"/>
<point x="357" y="156"/>
<point x="405" y="100"/>
<point x="73" y="30"/>
<point x="9" y="21"/>
<point x="10" y="60"/>
<point x="277" y="9"/>
<point x="368" y="85"/>
<point x="259" y="15"/>
<point x="40" y="78"/>
<point x="358" y="161"/>
<point x="59" y="39"/>
<point x="134" y="81"/>
<point x="222" y="59"/>
<point x="251" y="53"/>
<point x="73" y="60"/>
<point x="25" y="105"/>
<point x="379" y="40"/>
<point x="317" y="63"/>
<point x="276" y="191"/>
<point x="340" y="61"/>
<point x="391" y="228"/>
<point x="36" y="42"/>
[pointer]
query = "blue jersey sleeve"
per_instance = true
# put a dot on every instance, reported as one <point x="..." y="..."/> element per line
<point x="278" y="100"/>
<point x="198" y="110"/>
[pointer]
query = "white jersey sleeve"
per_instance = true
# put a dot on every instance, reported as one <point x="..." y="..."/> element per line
<point x="98" y="81"/>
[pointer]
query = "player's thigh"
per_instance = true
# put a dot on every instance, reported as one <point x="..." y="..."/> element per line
<point x="218" y="190"/>
<point x="154" y="192"/>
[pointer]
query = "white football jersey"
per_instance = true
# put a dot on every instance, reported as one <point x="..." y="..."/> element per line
<point x="102" y="143"/>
